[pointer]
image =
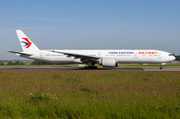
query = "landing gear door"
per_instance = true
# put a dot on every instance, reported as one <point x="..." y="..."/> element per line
<point x="99" y="54"/>
<point x="135" y="55"/>
<point x="160" y="55"/>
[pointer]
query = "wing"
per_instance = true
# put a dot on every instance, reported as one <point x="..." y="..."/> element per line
<point x="21" y="53"/>
<point x="81" y="56"/>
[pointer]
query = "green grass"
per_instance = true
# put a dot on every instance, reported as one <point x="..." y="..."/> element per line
<point x="148" y="66"/>
<point x="89" y="94"/>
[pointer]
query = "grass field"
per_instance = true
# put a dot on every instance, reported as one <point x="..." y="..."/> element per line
<point x="148" y="66"/>
<point x="89" y="94"/>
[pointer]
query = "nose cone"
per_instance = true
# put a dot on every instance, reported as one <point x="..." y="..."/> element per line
<point x="173" y="58"/>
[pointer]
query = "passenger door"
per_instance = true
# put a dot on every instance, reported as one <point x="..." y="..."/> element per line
<point x="160" y="55"/>
<point x="41" y="55"/>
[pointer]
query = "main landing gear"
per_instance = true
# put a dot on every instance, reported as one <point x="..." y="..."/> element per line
<point x="95" y="67"/>
<point x="90" y="65"/>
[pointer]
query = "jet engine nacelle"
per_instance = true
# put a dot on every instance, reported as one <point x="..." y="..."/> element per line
<point x="109" y="62"/>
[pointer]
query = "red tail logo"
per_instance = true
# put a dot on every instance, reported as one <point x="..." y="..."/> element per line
<point x="27" y="43"/>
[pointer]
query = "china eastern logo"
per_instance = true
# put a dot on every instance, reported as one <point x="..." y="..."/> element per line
<point x="26" y="42"/>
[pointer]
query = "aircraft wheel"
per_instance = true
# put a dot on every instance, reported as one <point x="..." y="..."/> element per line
<point x="95" y="67"/>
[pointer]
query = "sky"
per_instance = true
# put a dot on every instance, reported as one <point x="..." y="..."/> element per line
<point x="90" y="24"/>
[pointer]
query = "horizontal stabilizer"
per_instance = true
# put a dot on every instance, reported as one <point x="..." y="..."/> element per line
<point x="21" y="53"/>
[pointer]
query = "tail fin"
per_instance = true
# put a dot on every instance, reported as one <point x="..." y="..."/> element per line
<point x="26" y="44"/>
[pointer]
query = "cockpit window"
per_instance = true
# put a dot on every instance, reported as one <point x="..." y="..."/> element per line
<point x="171" y="55"/>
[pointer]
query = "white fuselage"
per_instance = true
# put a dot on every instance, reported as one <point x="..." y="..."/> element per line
<point x="106" y="58"/>
<point x="121" y="56"/>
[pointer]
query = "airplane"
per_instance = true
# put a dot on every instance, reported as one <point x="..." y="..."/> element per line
<point x="106" y="58"/>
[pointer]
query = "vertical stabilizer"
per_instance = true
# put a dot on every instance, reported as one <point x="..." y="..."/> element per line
<point x="26" y="44"/>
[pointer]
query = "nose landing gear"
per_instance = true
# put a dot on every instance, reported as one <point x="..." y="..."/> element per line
<point x="161" y="67"/>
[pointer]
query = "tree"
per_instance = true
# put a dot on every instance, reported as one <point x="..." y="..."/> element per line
<point x="2" y="63"/>
<point x="10" y="63"/>
<point x="17" y="63"/>
<point x="22" y="63"/>
<point x="177" y="57"/>
<point x="36" y="62"/>
<point x="42" y="63"/>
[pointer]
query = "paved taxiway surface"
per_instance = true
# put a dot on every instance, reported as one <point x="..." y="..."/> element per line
<point x="25" y="68"/>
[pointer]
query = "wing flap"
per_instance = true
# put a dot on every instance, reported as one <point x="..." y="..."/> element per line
<point x="82" y="56"/>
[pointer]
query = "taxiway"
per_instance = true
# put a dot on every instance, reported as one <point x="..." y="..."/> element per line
<point x="25" y="68"/>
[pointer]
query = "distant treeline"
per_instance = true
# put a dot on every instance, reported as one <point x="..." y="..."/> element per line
<point x="15" y="63"/>
<point x="32" y="63"/>
<point x="1" y="63"/>
<point x="177" y="57"/>
<point x="42" y="63"/>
